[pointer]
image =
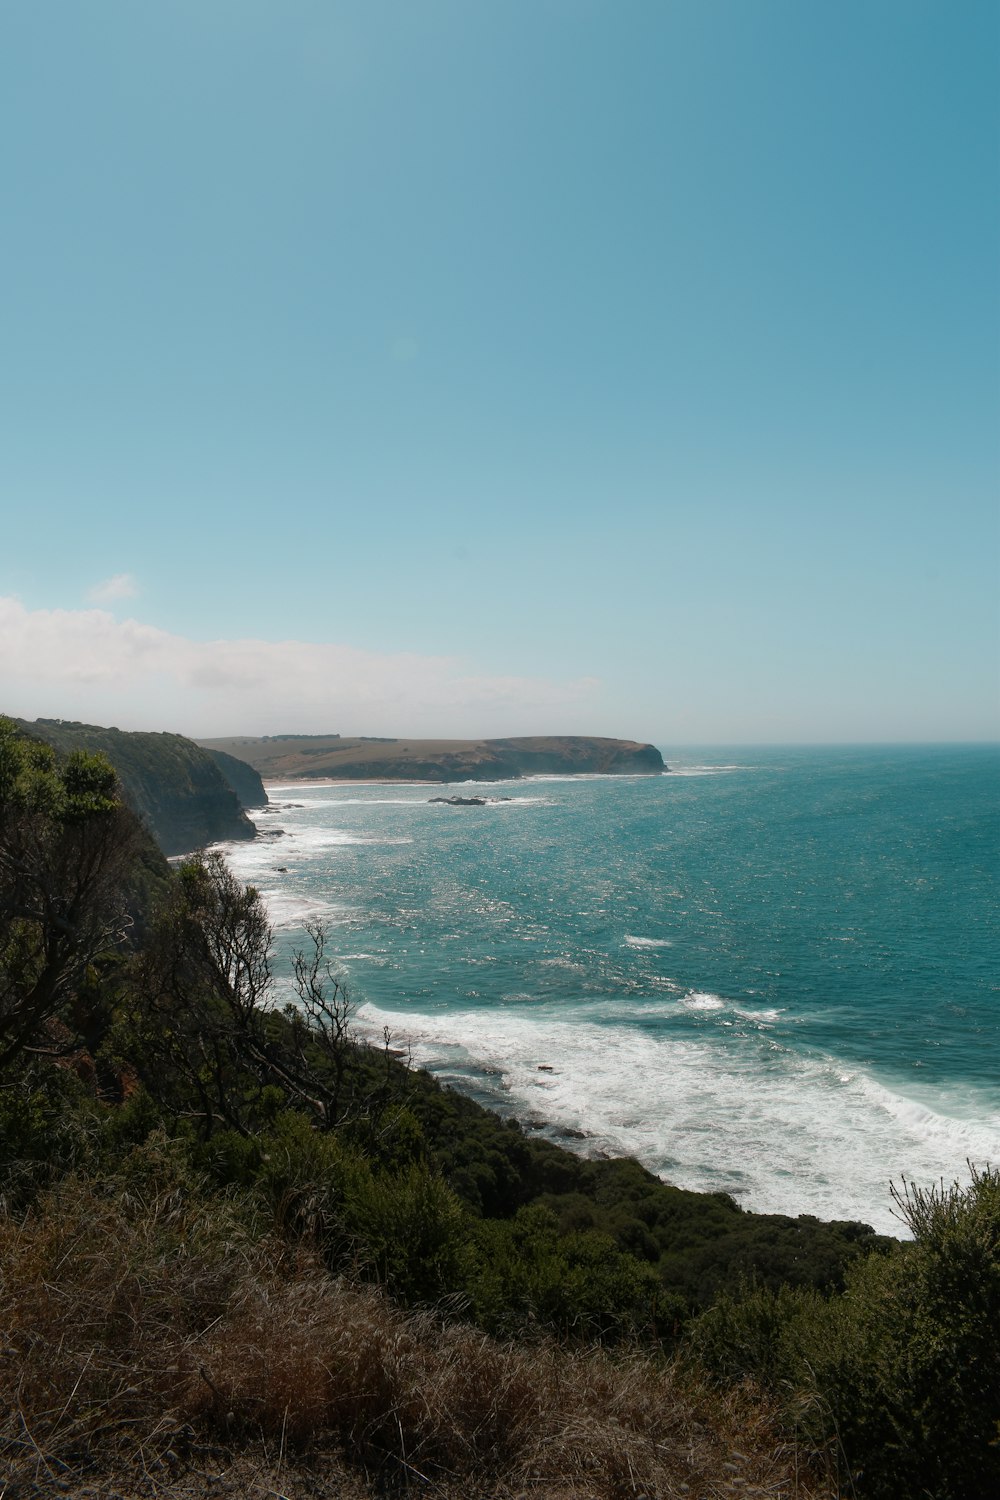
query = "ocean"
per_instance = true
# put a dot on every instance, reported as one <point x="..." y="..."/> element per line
<point x="771" y="972"/>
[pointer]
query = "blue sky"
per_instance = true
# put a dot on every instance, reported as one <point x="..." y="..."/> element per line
<point x="527" y="366"/>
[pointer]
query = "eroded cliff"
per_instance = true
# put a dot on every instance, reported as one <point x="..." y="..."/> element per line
<point x="174" y="785"/>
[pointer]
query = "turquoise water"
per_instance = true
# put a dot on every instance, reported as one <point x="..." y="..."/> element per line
<point x="771" y="971"/>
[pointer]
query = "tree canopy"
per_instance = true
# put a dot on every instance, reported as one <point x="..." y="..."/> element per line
<point x="66" y="842"/>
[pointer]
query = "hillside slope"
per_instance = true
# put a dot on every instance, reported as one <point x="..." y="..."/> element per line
<point x="289" y="757"/>
<point x="175" y="786"/>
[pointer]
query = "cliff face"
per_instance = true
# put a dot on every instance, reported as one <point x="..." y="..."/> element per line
<point x="574" y="755"/>
<point x="241" y="778"/>
<point x="440" y="761"/>
<point x="175" y="786"/>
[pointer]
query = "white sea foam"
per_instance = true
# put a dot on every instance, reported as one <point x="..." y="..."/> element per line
<point x="520" y="802"/>
<point x="251" y="862"/>
<point x="978" y="1140"/>
<point x="293" y="787"/>
<point x="324" y="802"/>
<point x="646" y="942"/>
<point x="682" y="770"/>
<point x="312" y="840"/>
<point x="761" y="1017"/>
<point x="288" y="911"/>
<point x="270" y="866"/>
<point x="589" y="776"/>
<point x="782" y="1133"/>
<point x="701" y="1000"/>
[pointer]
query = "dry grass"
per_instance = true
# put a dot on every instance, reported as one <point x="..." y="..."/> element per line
<point x="150" y="1338"/>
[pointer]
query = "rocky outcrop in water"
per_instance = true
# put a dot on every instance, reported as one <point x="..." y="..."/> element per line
<point x="460" y="801"/>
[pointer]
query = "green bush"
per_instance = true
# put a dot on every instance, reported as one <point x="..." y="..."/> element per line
<point x="898" y="1378"/>
<point x="410" y="1233"/>
<point x="404" y="1228"/>
<point x="579" y="1284"/>
<point x="48" y="1126"/>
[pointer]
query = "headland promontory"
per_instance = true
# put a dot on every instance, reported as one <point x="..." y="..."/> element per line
<point x="340" y="758"/>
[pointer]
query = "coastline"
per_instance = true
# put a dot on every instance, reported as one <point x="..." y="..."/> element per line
<point x="693" y="1020"/>
<point x="363" y="758"/>
<point x="286" y="788"/>
<point x="528" y="780"/>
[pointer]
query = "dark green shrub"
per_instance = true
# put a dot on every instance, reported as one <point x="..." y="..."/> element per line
<point x="410" y="1233"/>
<point x="580" y="1284"/>
<point x="404" y="1228"/>
<point x="898" y="1378"/>
<point x="49" y="1124"/>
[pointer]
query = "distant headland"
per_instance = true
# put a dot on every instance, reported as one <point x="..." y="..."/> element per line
<point x="310" y="757"/>
<point x="191" y="793"/>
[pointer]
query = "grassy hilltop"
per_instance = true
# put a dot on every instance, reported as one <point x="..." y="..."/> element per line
<point x="242" y="1254"/>
<point x="287" y="757"/>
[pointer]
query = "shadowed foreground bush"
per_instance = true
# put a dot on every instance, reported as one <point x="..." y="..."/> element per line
<point x="140" y="1320"/>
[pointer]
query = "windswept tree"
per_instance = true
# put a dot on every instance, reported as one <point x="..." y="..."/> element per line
<point x="67" y="843"/>
<point x="200" y="990"/>
<point x="207" y="1033"/>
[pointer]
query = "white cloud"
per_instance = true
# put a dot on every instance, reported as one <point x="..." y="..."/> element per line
<point x="87" y="664"/>
<point x="118" y="586"/>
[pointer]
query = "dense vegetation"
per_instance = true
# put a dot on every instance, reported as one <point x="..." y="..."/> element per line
<point x="183" y="795"/>
<point x="238" y="1216"/>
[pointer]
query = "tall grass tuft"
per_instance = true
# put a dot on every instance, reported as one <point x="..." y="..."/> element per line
<point x="140" y="1319"/>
